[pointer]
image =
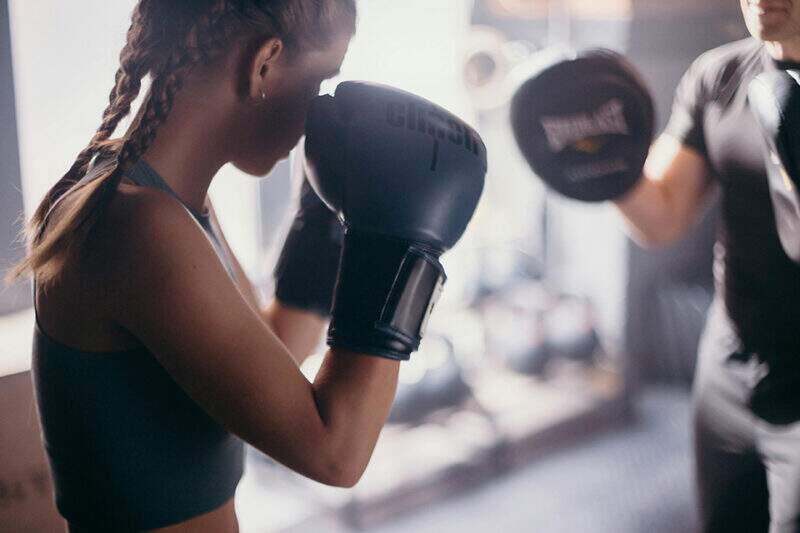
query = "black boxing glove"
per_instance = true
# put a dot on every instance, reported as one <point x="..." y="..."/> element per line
<point x="584" y="123"/>
<point x="404" y="176"/>
<point x="305" y="273"/>
<point x="774" y="98"/>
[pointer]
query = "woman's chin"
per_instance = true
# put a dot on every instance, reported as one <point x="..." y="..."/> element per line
<point x="257" y="169"/>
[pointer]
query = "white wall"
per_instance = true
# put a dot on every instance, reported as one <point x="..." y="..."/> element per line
<point x="416" y="45"/>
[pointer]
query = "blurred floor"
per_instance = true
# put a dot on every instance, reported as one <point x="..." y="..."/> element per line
<point x="631" y="480"/>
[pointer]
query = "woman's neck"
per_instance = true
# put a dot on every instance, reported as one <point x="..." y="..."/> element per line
<point x="189" y="149"/>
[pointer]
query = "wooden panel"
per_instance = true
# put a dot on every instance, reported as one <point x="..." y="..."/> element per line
<point x="26" y="492"/>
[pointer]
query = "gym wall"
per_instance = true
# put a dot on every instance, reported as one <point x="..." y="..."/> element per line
<point x="18" y="296"/>
<point x="669" y="290"/>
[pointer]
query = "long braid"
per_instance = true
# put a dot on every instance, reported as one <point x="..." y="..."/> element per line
<point x="154" y="112"/>
<point x="127" y="84"/>
<point x="135" y="61"/>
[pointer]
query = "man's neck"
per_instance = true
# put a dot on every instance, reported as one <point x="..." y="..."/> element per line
<point x="787" y="50"/>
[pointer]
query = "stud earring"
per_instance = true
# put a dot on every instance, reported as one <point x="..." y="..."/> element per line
<point x="263" y="94"/>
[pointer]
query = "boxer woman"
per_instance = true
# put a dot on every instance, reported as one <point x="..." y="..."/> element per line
<point x="148" y="356"/>
<point x="747" y="386"/>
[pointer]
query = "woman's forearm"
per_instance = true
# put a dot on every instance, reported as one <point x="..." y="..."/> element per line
<point x="354" y="393"/>
<point x="298" y="329"/>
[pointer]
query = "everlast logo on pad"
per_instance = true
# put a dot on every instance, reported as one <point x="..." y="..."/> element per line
<point x="429" y="121"/>
<point x="564" y="131"/>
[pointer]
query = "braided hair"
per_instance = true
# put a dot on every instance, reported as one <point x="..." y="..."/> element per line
<point x="164" y="41"/>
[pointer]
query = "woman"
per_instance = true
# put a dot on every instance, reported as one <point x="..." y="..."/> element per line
<point x="148" y="356"/>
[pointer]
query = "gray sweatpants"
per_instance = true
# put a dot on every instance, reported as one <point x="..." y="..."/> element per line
<point x="747" y="469"/>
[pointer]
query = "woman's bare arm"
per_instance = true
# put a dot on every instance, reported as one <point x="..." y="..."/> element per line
<point x="299" y="330"/>
<point x="178" y="300"/>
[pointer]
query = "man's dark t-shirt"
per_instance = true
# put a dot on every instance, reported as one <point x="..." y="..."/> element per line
<point x="759" y="283"/>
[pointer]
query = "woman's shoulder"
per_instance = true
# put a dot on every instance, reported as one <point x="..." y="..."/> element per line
<point x="143" y="208"/>
<point x="147" y="217"/>
<point x="141" y="229"/>
<point x="80" y="304"/>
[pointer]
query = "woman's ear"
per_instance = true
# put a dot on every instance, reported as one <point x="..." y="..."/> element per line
<point x="263" y="63"/>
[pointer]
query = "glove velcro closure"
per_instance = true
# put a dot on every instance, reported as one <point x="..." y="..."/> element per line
<point x="386" y="291"/>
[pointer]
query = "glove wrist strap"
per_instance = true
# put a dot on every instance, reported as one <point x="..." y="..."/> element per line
<point x="386" y="292"/>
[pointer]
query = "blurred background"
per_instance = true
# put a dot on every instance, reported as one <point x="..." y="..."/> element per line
<point x="551" y="393"/>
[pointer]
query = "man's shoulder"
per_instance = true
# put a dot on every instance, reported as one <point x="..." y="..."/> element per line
<point x="724" y="66"/>
<point x="734" y="52"/>
<point x="730" y="57"/>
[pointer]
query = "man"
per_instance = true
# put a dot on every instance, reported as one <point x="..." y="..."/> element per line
<point x="747" y="386"/>
<point x="747" y="438"/>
